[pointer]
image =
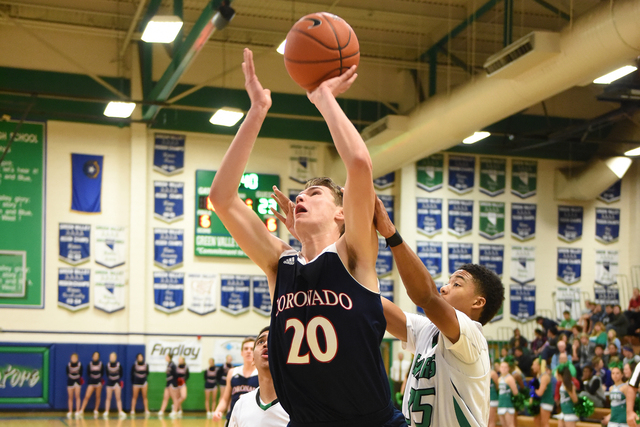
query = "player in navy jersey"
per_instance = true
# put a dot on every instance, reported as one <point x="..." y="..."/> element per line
<point x="95" y="374"/>
<point x="114" y="386"/>
<point x="171" y="390"/>
<point x="211" y="386"/>
<point x="74" y="383"/>
<point x="327" y="321"/>
<point x="139" y="374"/>
<point x="182" y="371"/>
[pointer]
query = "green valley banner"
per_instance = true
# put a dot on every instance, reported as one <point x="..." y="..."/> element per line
<point x="493" y="176"/>
<point x="524" y="178"/>
<point x="492" y="220"/>
<point x="429" y="172"/>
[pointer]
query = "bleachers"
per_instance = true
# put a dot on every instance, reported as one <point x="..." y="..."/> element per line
<point x="594" y="419"/>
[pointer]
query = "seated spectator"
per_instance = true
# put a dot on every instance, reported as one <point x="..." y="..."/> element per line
<point x="598" y="351"/>
<point x="596" y="316"/>
<point x="598" y="334"/>
<point x="517" y="336"/>
<point x="627" y="370"/>
<point x="504" y="352"/>
<point x="602" y="371"/>
<point x="629" y="356"/>
<point x="592" y="387"/>
<point x="608" y="314"/>
<point x="523" y="360"/>
<point x="583" y="351"/>
<point x="566" y="324"/>
<point x="585" y="319"/>
<point x="633" y="313"/>
<point x="562" y="351"/>
<point x="538" y="341"/>
<point x="612" y="354"/>
<point x="618" y="322"/>
<point x="551" y="346"/>
<point x="576" y="330"/>
<point x="546" y="323"/>
<point x="612" y="338"/>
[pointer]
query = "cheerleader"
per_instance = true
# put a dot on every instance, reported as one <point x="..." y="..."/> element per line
<point x="182" y="371"/>
<point x="544" y="391"/>
<point x="139" y="373"/>
<point x="95" y="372"/>
<point x="74" y="383"/>
<point x="223" y="372"/>
<point x="506" y="388"/>
<point x="568" y="397"/>
<point x="211" y="387"/>
<point x="171" y="389"/>
<point x="622" y="399"/>
<point x="493" y="398"/>
<point x="114" y="384"/>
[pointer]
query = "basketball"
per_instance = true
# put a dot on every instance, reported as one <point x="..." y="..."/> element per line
<point x="320" y="46"/>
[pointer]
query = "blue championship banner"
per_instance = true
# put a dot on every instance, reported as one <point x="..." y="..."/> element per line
<point x="492" y="257"/>
<point x="385" y="181"/>
<point x="569" y="265"/>
<point x="606" y="267"/>
<point x="384" y="262"/>
<point x="430" y="253"/>
<point x="260" y="295"/>
<point x="419" y="309"/>
<point x="523" y="264"/>
<point x="73" y="288"/>
<point x="168" y="200"/>
<point x="462" y="170"/>
<point x="523" y="302"/>
<point x="200" y="293"/>
<point x="429" y="172"/>
<point x="86" y="183"/>
<point x="386" y="289"/>
<point x="459" y="254"/>
<point x="295" y="244"/>
<point x="491" y="220"/>
<point x="606" y="295"/>
<point x="168" y="247"/>
<point x="388" y="202"/>
<point x="492" y="176"/>
<point x="168" y="153"/>
<point x="429" y="214"/>
<point x="523" y="221"/>
<point x="24" y="375"/>
<point x="74" y="243"/>
<point x="611" y="194"/>
<point x="524" y="178"/>
<point x="570" y="223"/>
<point x="235" y="293"/>
<point x="168" y="291"/>
<point x="460" y="217"/>
<point x="607" y="225"/>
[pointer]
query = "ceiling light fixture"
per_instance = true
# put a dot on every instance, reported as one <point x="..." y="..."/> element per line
<point x="477" y="136"/>
<point x="162" y="29"/>
<point x="280" y="48"/>
<point x="634" y="152"/>
<point x="226" y="116"/>
<point x="121" y="110"/>
<point x="615" y="75"/>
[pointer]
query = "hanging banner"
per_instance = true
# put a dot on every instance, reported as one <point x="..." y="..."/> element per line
<point x="611" y="194"/>
<point x="569" y="265"/>
<point x="524" y="178"/>
<point x="385" y="181"/>
<point x="157" y="349"/>
<point x="73" y="288"/>
<point x="74" y="243"/>
<point x="430" y="253"/>
<point x="384" y="262"/>
<point x="168" y="200"/>
<point x="293" y="194"/>
<point x="386" y="289"/>
<point x="523" y="264"/>
<point x="200" y="293"/>
<point x="295" y="244"/>
<point x="459" y="254"/>
<point x="523" y="302"/>
<point x="492" y="220"/>
<point x="235" y="293"/>
<point x="462" y="170"/>
<point x="570" y="223"/>
<point x="429" y="172"/>
<point x="523" y="221"/>
<point x="260" y="293"/>
<point x="607" y="225"/>
<point x="606" y="267"/>
<point x="492" y="257"/>
<point x="568" y="299"/>
<point x="86" y="183"/>
<point x="460" y="217"/>
<point x="168" y="154"/>
<point x="110" y="246"/>
<point x="303" y="162"/>
<point x="606" y="295"/>
<point x="388" y="202"/>
<point x="168" y="247"/>
<point x="109" y="290"/>
<point x="168" y="291"/>
<point x="429" y="214"/>
<point x="493" y="176"/>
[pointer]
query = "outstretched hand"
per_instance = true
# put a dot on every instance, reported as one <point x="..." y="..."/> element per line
<point x="381" y="220"/>
<point x="260" y="97"/>
<point x="334" y="85"/>
<point x="287" y="207"/>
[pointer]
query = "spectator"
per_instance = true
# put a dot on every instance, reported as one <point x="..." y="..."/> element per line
<point x="585" y="318"/>
<point x="552" y="343"/>
<point x="576" y="330"/>
<point x="524" y="361"/>
<point x="618" y="322"/>
<point x="562" y="350"/>
<point x="598" y="334"/>
<point x="602" y="371"/>
<point x="608" y="314"/>
<point x="599" y="352"/>
<point x="592" y="387"/>
<point x="633" y="313"/>
<point x="546" y="323"/>
<point x="627" y="370"/>
<point x="583" y="351"/>
<point x="517" y="336"/>
<point x="504" y="352"/>
<point x="567" y="323"/>
<point x="538" y="342"/>
<point x="596" y="316"/>
<point x="629" y="356"/>
<point x="612" y="338"/>
<point x="612" y="353"/>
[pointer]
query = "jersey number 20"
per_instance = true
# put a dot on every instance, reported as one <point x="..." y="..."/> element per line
<point x="311" y="331"/>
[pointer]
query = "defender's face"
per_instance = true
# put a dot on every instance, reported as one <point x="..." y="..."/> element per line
<point x="261" y="352"/>
<point x="460" y="292"/>
<point x="247" y="351"/>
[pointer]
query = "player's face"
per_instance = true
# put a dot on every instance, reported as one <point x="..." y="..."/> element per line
<point x="460" y="292"/>
<point x="316" y="204"/>
<point x="247" y="351"/>
<point x="260" y="351"/>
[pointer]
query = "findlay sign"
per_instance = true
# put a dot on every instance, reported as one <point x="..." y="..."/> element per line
<point x="158" y="349"/>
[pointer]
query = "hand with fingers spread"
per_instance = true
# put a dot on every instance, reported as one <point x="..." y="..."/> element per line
<point x="260" y="97"/>
<point x="381" y="220"/>
<point x="335" y="85"/>
<point x="287" y="207"/>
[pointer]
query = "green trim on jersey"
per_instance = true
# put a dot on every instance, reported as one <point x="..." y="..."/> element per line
<point x="462" y="420"/>
<point x="268" y="405"/>
<point x="619" y="410"/>
<point x="504" y="401"/>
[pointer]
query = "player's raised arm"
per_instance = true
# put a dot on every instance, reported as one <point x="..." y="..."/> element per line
<point x="244" y="225"/>
<point x="359" y="195"/>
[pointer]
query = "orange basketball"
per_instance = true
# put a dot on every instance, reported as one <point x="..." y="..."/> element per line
<point x="320" y="46"/>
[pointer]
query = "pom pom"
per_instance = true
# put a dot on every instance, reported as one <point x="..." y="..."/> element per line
<point x="584" y="408"/>
<point x="533" y="407"/>
<point x="399" y="397"/>
<point x="102" y="381"/>
<point x="519" y="401"/>
<point x="121" y="384"/>
<point x="81" y="381"/>
<point x="180" y="381"/>
<point x="534" y="383"/>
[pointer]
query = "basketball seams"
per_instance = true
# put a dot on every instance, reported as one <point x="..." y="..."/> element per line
<point x="295" y="30"/>
<point x="336" y="36"/>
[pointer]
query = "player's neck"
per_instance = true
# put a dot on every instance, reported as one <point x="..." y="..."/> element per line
<point x="248" y="368"/>
<point x="267" y="391"/>
<point x="314" y="243"/>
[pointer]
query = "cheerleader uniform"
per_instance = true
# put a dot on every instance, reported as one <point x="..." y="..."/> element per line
<point x="223" y="372"/>
<point x="74" y="374"/>
<point x="172" y="377"/>
<point x="566" y="406"/>
<point x="618" y="407"/>
<point x="493" y="395"/>
<point x="547" y="402"/>
<point x="505" y="405"/>
<point x="211" y="377"/>
<point x="114" y="374"/>
<point x="95" y="372"/>
<point x="182" y="372"/>
<point x="139" y="373"/>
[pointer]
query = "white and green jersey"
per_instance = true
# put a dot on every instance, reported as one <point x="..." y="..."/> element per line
<point x="566" y="404"/>
<point x="251" y="411"/>
<point x="618" y="404"/>
<point x="447" y="379"/>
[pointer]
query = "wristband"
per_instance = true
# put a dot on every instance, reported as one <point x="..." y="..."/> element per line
<point x="394" y="240"/>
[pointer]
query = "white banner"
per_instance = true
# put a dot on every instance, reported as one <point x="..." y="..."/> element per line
<point x="191" y="351"/>
<point x="568" y="299"/>
<point x="223" y="347"/>
<point x="200" y="293"/>
<point x="109" y="290"/>
<point x="523" y="264"/>
<point x="110" y="246"/>
<point x="606" y="267"/>
<point x="302" y="163"/>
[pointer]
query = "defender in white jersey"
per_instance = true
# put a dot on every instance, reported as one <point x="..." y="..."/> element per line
<point x="449" y="380"/>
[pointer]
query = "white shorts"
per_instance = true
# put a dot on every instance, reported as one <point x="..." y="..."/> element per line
<point x="493" y="403"/>
<point x="569" y="417"/>
<point x="116" y="385"/>
<point x="618" y="425"/>
<point x="140" y="385"/>
<point x="502" y="411"/>
<point x="547" y="407"/>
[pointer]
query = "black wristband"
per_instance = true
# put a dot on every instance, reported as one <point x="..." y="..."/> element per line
<point x="394" y="240"/>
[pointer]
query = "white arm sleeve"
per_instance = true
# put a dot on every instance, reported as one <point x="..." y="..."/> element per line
<point x="415" y="324"/>
<point x="471" y="343"/>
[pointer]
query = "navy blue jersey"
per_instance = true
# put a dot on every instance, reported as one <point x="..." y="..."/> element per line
<point x="139" y="373"/>
<point x="114" y="373"/>
<point x="182" y="371"/>
<point x="95" y="372"/>
<point x="211" y="377"/>
<point x="324" y="344"/>
<point x="241" y="385"/>
<point x="74" y="373"/>
<point x="172" y="377"/>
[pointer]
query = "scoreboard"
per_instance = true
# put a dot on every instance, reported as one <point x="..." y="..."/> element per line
<point x="211" y="236"/>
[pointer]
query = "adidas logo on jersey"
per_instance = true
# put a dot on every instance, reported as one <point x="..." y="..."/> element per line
<point x="289" y="261"/>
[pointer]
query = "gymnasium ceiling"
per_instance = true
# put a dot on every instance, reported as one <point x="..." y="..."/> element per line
<point x="392" y="34"/>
